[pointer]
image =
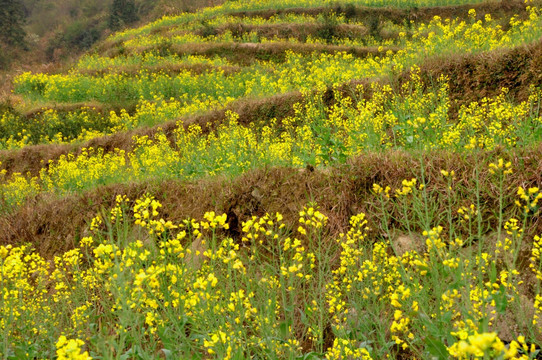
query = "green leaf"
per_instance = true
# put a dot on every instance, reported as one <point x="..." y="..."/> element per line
<point x="311" y="355"/>
<point x="167" y="353"/>
<point x="436" y="347"/>
<point x="501" y="300"/>
<point x="285" y="328"/>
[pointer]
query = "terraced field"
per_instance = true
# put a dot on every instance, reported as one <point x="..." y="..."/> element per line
<point x="281" y="180"/>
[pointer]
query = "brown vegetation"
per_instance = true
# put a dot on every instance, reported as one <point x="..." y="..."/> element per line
<point x="473" y="77"/>
<point x="498" y="9"/>
<point x="248" y="53"/>
<point x="53" y="225"/>
<point x="298" y="31"/>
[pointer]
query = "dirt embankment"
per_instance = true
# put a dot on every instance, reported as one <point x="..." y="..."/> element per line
<point x="53" y="224"/>
<point x="245" y="54"/>
<point x="401" y="16"/>
<point x="32" y="159"/>
<point x="373" y="20"/>
<point x="302" y="31"/>
<point x="473" y="77"/>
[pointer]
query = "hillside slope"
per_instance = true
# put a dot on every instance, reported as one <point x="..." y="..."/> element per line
<point x="377" y="165"/>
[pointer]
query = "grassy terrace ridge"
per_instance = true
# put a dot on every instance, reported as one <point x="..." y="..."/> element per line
<point x="280" y="180"/>
<point x="353" y="14"/>
<point x="125" y="89"/>
<point x="167" y="70"/>
<point x="279" y="189"/>
<point x="479" y="68"/>
<point x="255" y="6"/>
<point x="176" y="145"/>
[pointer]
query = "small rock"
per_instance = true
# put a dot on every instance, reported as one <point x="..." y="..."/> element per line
<point x="405" y="243"/>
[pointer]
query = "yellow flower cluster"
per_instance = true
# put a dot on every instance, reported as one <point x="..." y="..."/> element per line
<point x="528" y="199"/>
<point x="70" y="349"/>
<point x="187" y="283"/>
<point x="304" y="138"/>
<point x="408" y="185"/>
<point x="162" y="96"/>
<point x="488" y="345"/>
<point x="311" y="218"/>
<point x="501" y="167"/>
<point x="344" y="349"/>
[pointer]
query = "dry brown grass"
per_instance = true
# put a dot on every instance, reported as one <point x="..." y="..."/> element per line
<point x="473" y="77"/>
<point x="53" y="224"/>
<point x="297" y="31"/>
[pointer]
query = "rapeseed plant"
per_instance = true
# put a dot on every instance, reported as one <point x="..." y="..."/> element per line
<point x="228" y="299"/>
<point x="316" y="134"/>
<point x="161" y="96"/>
<point x="139" y="285"/>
